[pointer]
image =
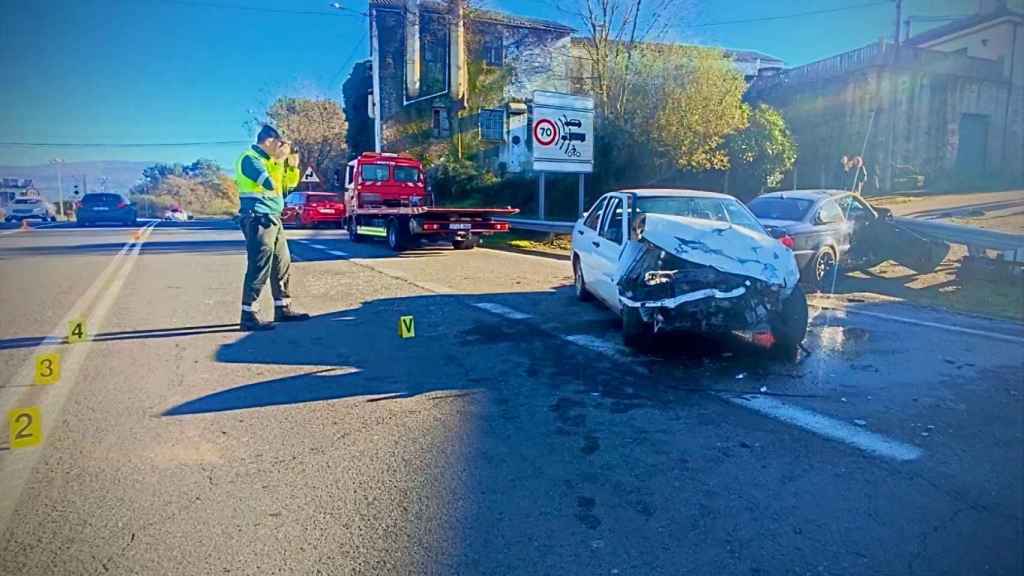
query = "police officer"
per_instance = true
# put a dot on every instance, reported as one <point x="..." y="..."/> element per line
<point x="264" y="174"/>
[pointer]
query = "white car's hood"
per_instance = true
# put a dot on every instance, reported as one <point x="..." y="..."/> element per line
<point x="724" y="247"/>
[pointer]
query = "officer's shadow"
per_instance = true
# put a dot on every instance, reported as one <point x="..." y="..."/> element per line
<point x="352" y="353"/>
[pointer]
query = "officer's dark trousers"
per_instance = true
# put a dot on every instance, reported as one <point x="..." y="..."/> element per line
<point x="266" y="249"/>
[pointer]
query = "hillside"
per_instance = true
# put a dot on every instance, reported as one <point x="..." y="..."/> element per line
<point x="120" y="175"/>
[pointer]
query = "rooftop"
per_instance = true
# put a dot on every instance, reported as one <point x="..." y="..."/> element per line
<point x="480" y="15"/>
<point x="956" y="26"/>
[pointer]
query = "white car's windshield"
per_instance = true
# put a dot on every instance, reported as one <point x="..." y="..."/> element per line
<point x="718" y="209"/>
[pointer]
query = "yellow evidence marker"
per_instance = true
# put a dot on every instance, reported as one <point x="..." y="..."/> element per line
<point x="406" y="328"/>
<point x="26" y="427"/>
<point x="76" y="331"/>
<point x="48" y="368"/>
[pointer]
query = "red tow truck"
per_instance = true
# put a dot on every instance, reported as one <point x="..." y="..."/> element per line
<point x="386" y="196"/>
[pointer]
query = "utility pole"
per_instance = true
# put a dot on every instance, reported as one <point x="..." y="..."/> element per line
<point x="60" y="186"/>
<point x="899" y="22"/>
<point x="375" y="64"/>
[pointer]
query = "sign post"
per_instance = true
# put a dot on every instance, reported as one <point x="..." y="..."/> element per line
<point x="562" y="138"/>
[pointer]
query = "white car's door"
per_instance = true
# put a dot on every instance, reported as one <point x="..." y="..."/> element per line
<point x="585" y="239"/>
<point x="607" y="248"/>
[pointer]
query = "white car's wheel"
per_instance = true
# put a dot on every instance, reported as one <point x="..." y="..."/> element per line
<point x="635" y="332"/>
<point x="579" y="283"/>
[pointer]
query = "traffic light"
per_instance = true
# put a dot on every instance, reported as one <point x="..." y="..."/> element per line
<point x="76" y="189"/>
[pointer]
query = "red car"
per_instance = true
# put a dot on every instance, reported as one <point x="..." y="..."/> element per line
<point x="307" y="209"/>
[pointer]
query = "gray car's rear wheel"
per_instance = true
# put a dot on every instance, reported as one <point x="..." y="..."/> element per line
<point x="822" y="268"/>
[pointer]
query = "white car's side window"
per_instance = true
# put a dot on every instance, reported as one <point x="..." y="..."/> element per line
<point x="595" y="214"/>
<point x="611" y="226"/>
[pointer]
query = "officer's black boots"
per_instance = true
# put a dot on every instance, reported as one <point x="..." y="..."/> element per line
<point x="251" y="323"/>
<point x="286" y="314"/>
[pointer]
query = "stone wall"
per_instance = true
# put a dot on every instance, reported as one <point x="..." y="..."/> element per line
<point x="905" y="116"/>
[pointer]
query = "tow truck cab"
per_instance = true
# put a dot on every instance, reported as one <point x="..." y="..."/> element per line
<point x="385" y="179"/>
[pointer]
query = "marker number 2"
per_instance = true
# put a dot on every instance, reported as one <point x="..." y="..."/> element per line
<point x="24" y="426"/>
<point x="23" y="432"/>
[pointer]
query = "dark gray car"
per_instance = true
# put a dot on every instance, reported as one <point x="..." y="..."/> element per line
<point x="829" y="228"/>
<point x="105" y="207"/>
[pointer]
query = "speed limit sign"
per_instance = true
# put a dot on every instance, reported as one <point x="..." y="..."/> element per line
<point x="545" y="132"/>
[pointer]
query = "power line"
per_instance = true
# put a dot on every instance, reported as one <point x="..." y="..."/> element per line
<point x="123" y="144"/>
<point x="788" y="16"/>
<point x="348" y="60"/>
<point x="245" y="8"/>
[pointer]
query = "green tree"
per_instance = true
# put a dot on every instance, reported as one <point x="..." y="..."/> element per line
<point x="762" y="153"/>
<point x="683" y="103"/>
<point x="317" y="129"/>
<point x="201" y="187"/>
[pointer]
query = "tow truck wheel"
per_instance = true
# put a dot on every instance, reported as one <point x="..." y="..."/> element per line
<point x="466" y="244"/>
<point x="396" y="240"/>
<point x="789" y="325"/>
<point x="352" y="234"/>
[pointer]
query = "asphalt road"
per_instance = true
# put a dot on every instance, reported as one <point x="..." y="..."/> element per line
<point x="512" y="435"/>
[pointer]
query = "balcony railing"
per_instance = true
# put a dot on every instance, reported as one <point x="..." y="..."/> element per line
<point x="879" y="54"/>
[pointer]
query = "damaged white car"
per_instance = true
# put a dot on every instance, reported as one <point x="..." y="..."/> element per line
<point x="684" y="260"/>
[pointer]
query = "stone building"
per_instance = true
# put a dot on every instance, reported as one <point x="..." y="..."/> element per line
<point x="450" y="76"/>
<point x="947" y="104"/>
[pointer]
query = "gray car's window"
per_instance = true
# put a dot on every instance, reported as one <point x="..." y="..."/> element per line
<point x="829" y="213"/>
<point x="854" y="209"/>
<point x="778" y="208"/>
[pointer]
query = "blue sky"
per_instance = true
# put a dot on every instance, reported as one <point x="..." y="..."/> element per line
<point x="130" y="71"/>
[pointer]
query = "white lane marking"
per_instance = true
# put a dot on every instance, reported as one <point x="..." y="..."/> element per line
<point x="601" y="345"/>
<point x="318" y="246"/>
<point x="16" y="467"/>
<point x="831" y="428"/>
<point x="501" y="310"/>
<point x="800" y="417"/>
<point x="337" y="253"/>
<point x="962" y="330"/>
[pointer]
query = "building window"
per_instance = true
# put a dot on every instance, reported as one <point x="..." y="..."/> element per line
<point x="494" y="50"/>
<point x="492" y="124"/>
<point x="439" y="123"/>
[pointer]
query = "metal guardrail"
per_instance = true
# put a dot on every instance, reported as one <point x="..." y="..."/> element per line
<point x="552" y="226"/>
<point x="1010" y="246"/>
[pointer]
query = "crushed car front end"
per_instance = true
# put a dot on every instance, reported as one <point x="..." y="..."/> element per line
<point x="687" y="274"/>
